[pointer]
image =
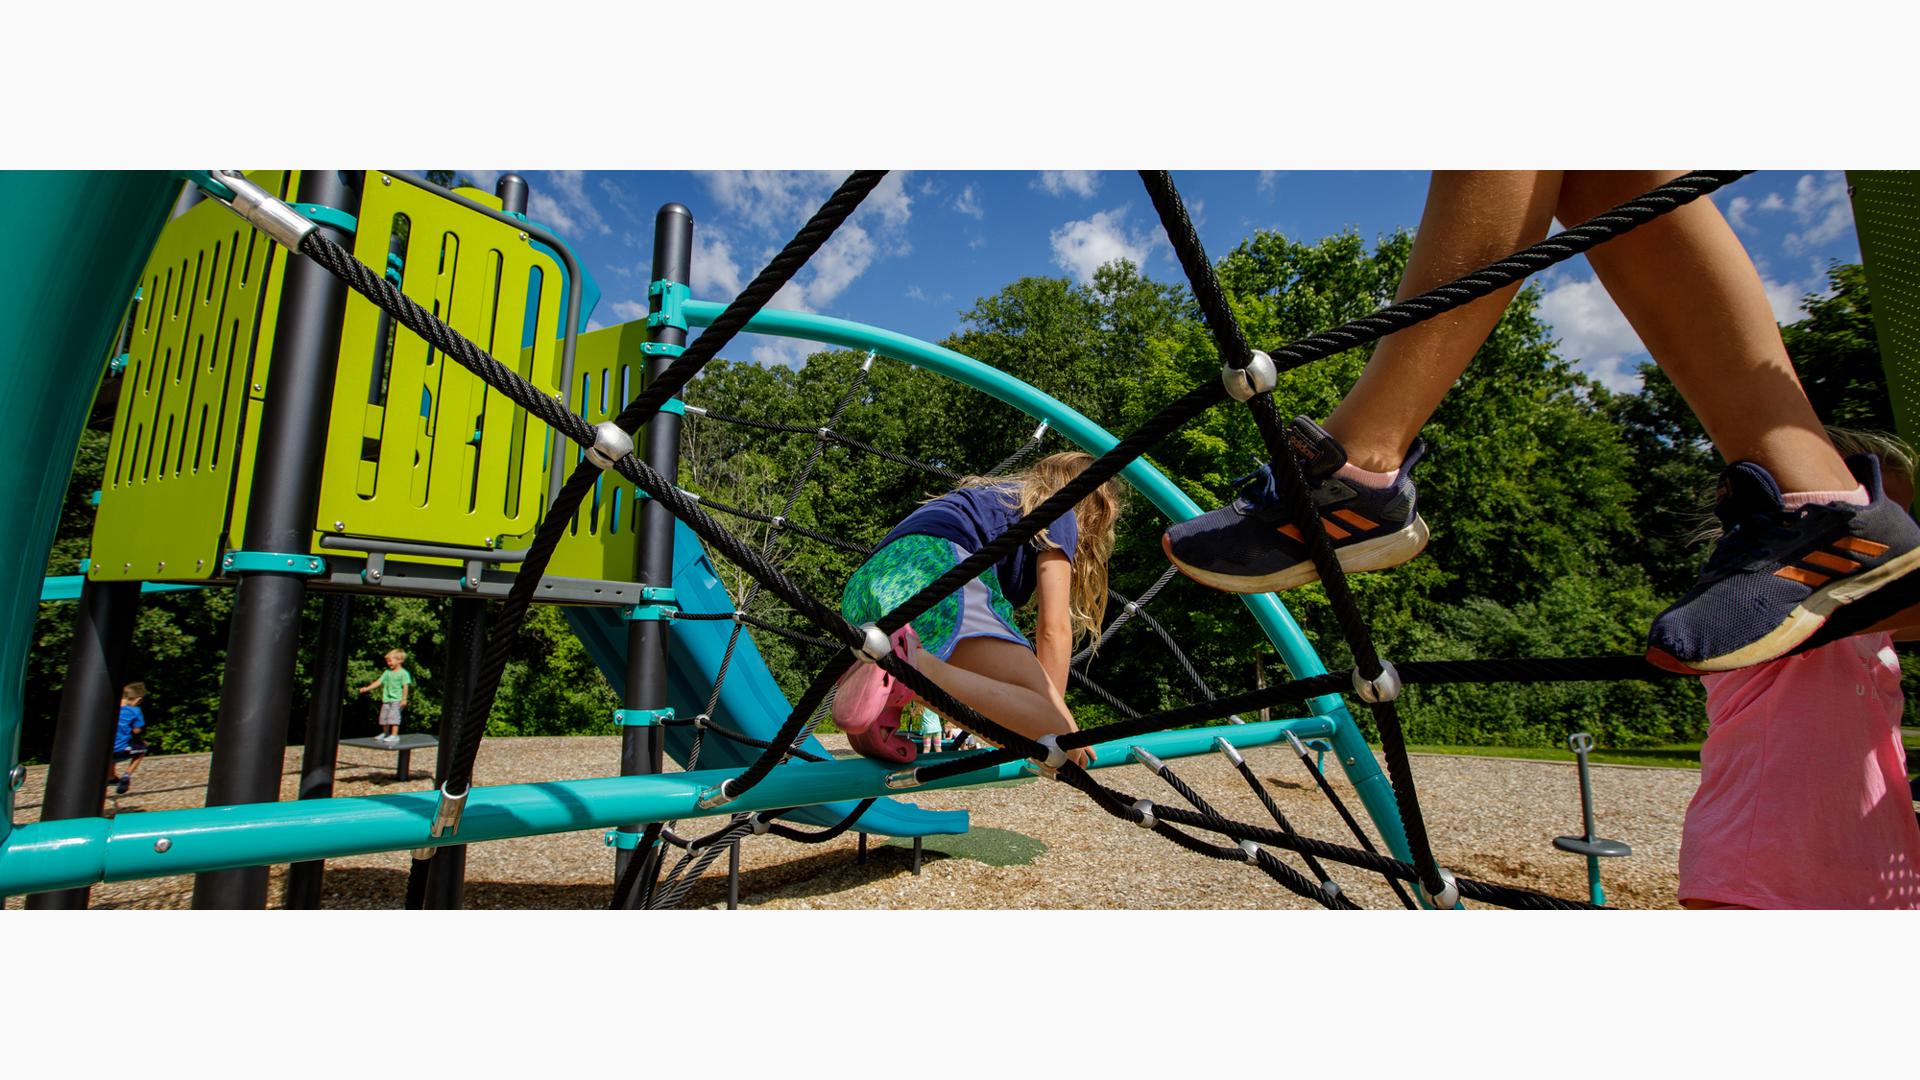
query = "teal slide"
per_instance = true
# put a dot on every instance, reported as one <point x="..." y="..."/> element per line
<point x="750" y="700"/>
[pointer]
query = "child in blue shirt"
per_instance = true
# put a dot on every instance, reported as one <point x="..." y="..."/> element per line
<point x="129" y="744"/>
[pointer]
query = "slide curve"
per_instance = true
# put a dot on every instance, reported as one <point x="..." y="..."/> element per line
<point x="751" y="702"/>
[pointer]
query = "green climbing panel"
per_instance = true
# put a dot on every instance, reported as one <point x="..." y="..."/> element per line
<point x="609" y="370"/>
<point x="419" y="449"/>
<point x="180" y="455"/>
<point x="1886" y="211"/>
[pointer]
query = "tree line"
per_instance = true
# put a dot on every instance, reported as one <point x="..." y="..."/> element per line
<point x="1563" y="514"/>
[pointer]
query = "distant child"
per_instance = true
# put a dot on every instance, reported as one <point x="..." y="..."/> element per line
<point x="967" y="643"/>
<point x="932" y="728"/>
<point x="129" y="739"/>
<point x="393" y="684"/>
<point x="1803" y="798"/>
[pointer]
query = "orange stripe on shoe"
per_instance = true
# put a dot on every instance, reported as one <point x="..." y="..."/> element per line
<point x="1830" y="562"/>
<point x="1355" y="520"/>
<point x="1291" y="532"/>
<point x="1334" y="531"/>
<point x="1809" y="578"/>
<point x="1872" y="549"/>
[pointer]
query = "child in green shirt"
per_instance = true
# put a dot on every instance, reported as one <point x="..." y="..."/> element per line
<point x="393" y="684"/>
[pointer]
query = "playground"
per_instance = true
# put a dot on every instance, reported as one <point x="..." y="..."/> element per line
<point x="360" y="385"/>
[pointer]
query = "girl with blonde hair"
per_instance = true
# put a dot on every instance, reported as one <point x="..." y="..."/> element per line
<point x="967" y="644"/>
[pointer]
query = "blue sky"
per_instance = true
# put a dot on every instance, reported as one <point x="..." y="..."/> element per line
<point x="926" y="245"/>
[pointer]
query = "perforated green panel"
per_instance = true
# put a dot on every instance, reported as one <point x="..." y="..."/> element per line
<point x="201" y="336"/>
<point x="418" y="448"/>
<point x="608" y="372"/>
<point x="1886" y="210"/>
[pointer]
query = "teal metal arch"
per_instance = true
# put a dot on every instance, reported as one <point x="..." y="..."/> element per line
<point x="1355" y="756"/>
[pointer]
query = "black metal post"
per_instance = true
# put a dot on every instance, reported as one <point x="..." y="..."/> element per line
<point x="733" y="877"/>
<point x="643" y="748"/>
<point x="323" y="734"/>
<point x="250" y="738"/>
<point x="466" y="647"/>
<point x="89" y="711"/>
<point x="512" y="189"/>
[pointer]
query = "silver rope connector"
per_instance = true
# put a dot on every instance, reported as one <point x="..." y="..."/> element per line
<point x="285" y="225"/>
<point x="1258" y="377"/>
<point x="700" y="722"/>
<point x="1040" y="431"/>
<point x="867" y="365"/>
<point x="446" y="819"/>
<point x="610" y="444"/>
<point x="1232" y="752"/>
<point x="1298" y="746"/>
<point x="1251" y="850"/>
<point x="1147" y="820"/>
<point x="905" y="778"/>
<point x="1055" y="758"/>
<point x="760" y="822"/>
<point x="714" y="796"/>
<point x="1145" y="757"/>
<point x="697" y="410"/>
<point x="1381" y="688"/>
<point x="873" y="643"/>
<point x="1449" y="893"/>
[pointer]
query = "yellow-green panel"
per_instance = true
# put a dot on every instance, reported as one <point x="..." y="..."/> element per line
<point x="1886" y="211"/>
<point x="609" y="370"/>
<point x="420" y="449"/>
<point x="182" y="432"/>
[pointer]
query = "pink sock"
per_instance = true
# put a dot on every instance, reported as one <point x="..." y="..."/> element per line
<point x="1794" y="500"/>
<point x="1356" y="475"/>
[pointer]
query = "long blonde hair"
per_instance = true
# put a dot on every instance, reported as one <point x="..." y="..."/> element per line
<point x="1894" y="454"/>
<point x="1097" y="515"/>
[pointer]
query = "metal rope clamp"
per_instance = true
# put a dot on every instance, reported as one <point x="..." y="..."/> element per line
<point x="873" y="643"/>
<point x="285" y="225"/>
<point x="905" y="778"/>
<point x="1449" y="894"/>
<point x="446" y="819"/>
<point x="714" y="796"/>
<point x="1050" y="765"/>
<point x="761" y="823"/>
<point x="1381" y="688"/>
<point x="1251" y="850"/>
<point x="1147" y="820"/>
<point x="610" y="444"/>
<point x="1260" y="376"/>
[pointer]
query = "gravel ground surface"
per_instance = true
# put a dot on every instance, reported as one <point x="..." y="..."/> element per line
<point x="1034" y="844"/>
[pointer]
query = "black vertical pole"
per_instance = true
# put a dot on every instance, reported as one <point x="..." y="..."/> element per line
<point x="466" y="641"/>
<point x="250" y="738"/>
<point x="89" y="711"/>
<point x="642" y="748"/>
<point x="323" y="734"/>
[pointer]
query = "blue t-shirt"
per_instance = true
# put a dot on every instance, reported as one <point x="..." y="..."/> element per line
<point x="974" y="517"/>
<point x="131" y="720"/>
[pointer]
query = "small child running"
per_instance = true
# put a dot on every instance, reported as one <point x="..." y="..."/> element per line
<point x="967" y="644"/>
<point x="129" y="739"/>
<point x="394" y="684"/>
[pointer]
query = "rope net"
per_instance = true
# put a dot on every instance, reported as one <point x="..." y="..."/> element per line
<point x="766" y="567"/>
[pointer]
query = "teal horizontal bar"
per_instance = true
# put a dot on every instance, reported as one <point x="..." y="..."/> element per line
<point x="67" y="587"/>
<point x="84" y="851"/>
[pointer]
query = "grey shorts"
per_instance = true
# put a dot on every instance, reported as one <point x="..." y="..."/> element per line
<point x="390" y="713"/>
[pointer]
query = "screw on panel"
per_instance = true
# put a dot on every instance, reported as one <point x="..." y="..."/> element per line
<point x="339" y="526"/>
<point x="386" y="181"/>
<point x="162" y="845"/>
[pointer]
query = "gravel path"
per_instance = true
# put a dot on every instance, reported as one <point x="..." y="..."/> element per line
<point x="1034" y="844"/>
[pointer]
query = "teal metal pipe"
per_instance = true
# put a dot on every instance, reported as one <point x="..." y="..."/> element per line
<point x="84" y="851"/>
<point x="71" y="248"/>
<point x="1356" y="758"/>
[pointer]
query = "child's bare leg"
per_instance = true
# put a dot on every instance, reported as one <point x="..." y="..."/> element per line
<point x="1471" y="219"/>
<point x="1003" y="682"/>
<point x="1689" y="289"/>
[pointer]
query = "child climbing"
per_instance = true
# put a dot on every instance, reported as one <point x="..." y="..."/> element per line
<point x="1813" y="537"/>
<point x="967" y="644"/>
<point x="394" y="685"/>
<point x="1803" y="798"/>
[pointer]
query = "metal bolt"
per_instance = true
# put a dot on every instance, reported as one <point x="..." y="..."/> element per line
<point x="1349" y="761"/>
<point x="523" y="236"/>
<point x="386" y="181"/>
<point x="163" y="564"/>
<point x="16" y="777"/>
<point x="257" y="388"/>
<point x="161" y="845"/>
<point x="126" y="566"/>
<point x="199" y="564"/>
<point x="339" y="526"/>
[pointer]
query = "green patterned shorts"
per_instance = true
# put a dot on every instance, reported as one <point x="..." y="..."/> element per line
<point x="898" y="571"/>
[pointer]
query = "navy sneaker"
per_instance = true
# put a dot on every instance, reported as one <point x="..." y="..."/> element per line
<point x="1777" y="574"/>
<point x="1252" y="544"/>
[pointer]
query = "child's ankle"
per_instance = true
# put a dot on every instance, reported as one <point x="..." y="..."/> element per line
<point x="1354" y="474"/>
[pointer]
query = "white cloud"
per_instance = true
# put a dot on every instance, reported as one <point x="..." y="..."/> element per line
<point x="629" y="310"/>
<point x="570" y="199"/>
<point x="1819" y="207"/>
<point x="716" y="274"/>
<point x="1081" y="247"/>
<point x="484" y="179"/>
<point x="543" y="209"/>
<point x="1268" y="177"/>
<point x="968" y="203"/>
<point x="1077" y="182"/>
<point x="1592" y="332"/>
<point x="1785" y="297"/>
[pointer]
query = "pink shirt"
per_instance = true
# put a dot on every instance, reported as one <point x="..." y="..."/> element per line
<point x="1803" y="799"/>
